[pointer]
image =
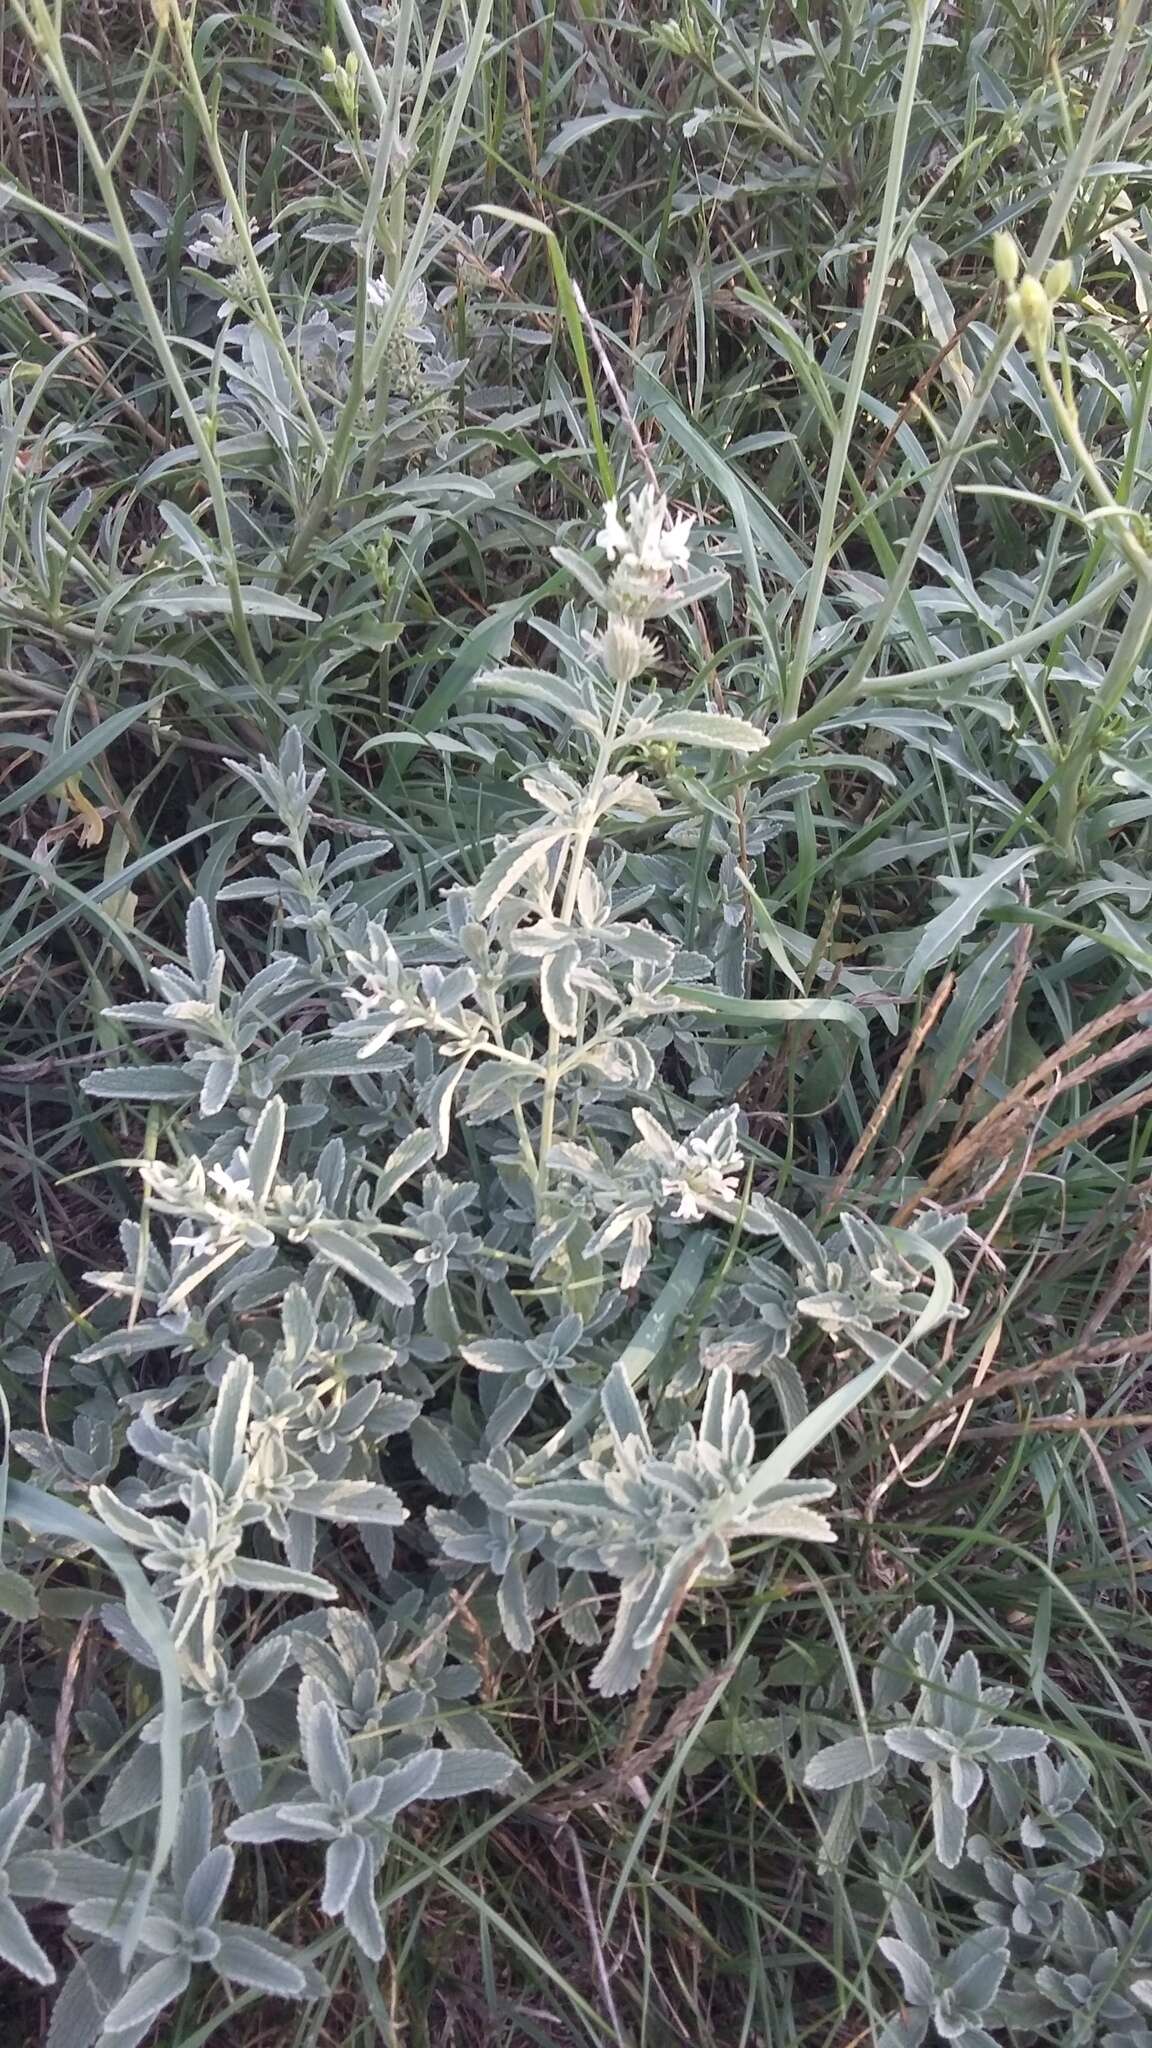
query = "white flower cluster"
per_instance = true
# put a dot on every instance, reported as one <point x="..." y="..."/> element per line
<point x="647" y="546"/>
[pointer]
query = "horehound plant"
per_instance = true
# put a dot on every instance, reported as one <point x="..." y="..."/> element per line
<point x="465" y="1306"/>
<point x="325" y="1286"/>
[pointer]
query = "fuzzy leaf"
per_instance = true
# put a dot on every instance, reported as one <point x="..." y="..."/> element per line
<point x="353" y="1256"/>
<point x="844" y="1763"/>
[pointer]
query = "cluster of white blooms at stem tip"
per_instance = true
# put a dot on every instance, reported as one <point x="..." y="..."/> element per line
<point x="647" y="546"/>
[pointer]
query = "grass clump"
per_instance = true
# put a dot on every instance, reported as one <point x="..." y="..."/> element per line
<point x="575" y="601"/>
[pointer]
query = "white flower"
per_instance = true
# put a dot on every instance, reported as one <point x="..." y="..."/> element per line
<point x="413" y="321"/>
<point x="646" y="546"/>
<point x="612" y="537"/>
<point x="701" y="1173"/>
<point x="653" y="540"/>
<point x="218" y="241"/>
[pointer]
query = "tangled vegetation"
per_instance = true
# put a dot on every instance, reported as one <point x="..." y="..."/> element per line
<point x="575" y="599"/>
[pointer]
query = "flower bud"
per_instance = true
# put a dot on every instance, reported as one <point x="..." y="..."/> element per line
<point x="1005" y="259"/>
<point x="1057" y="279"/>
<point x="1029" y="305"/>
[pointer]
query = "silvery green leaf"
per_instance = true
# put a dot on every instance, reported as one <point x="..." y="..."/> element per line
<point x="1078" y="1839"/>
<point x="976" y="1970"/>
<point x="512" y="1601"/>
<point x="240" y="1763"/>
<point x="262" y="1577"/>
<point x="555" y="695"/>
<point x="840" y="1830"/>
<point x="343" y="1862"/>
<point x="193" y="1831"/>
<point x="557" y="993"/>
<point x="15" y="1746"/>
<point x="920" y="1745"/>
<point x="435" y="1458"/>
<point x="622" y="1665"/>
<point x="412" y="1153"/>
<point x="134" y="1790"/>
<point x="715" y="730"/>
<point x="204" y="1893"/>
<point x="264" y="1150"/>
<point x="470" y="1770"/>
<point x="13" y="1815"/>
<point x="323" y="1743"/>
<point x="141" y="1084"/>
<point x="408" y="1782"/>
<point x="493" y="1487"/>
<point x="222" y="1074"/>
<point x="949" y="1821"/>
<point x="362" y="1915"/>
<point x="510" y="865"/>
<point x="279" y="1824"/>
<point x="844" y="1763"/>
<point x="580" y="1604"/>
<point x="20" y="1948"/>
<point x="66" y="1876"/>
<point x="262" y="1667"/>
<point x="148" y="1994"/>
<point x="500" y="1354"/>
<point x="908" y="2030"/>
<point x="230" y="1418"/>
<point x="250" y="1956"/>
<point x="917" y="1976"/>
<point x="914" y="1927"/>
<point x="894" y="1672"/>
<point x="1012" y="1745"/>
<point x="298" y="1321"/>
<point x="200" y="940"/>
<point x="972" y="897"/>
<point x="353" y="1256"/>
<point x="582" y="573"/>
<point x="621" y="1408"/>
<point x="514" y="1404"/>
<point x="967" y="1778"/>
<point x="92" y="1987"/>
<point x="352" y="1500"/>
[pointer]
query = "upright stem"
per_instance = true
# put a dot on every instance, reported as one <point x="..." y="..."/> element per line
<point x="790" y="730"/>
<point x="255" y="275"/>
<point x="579" y="853"/>
<point x="1108" y="699"/>
<point x="861" y="356"/>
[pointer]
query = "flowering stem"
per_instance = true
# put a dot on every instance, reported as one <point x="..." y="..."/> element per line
<point x="553" y="1065"/>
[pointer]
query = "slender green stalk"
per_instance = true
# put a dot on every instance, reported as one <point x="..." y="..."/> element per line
<point x="1130" y="649"/>
<point x="861" y="357"/>
<point x="254" y="275"/>
<point x="898" y="581"/>
<point x="41" y="31"/>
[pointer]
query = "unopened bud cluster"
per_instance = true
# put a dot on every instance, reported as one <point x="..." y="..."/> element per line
<point x="344" y="78"/>
<point x="1030" y="299"/>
